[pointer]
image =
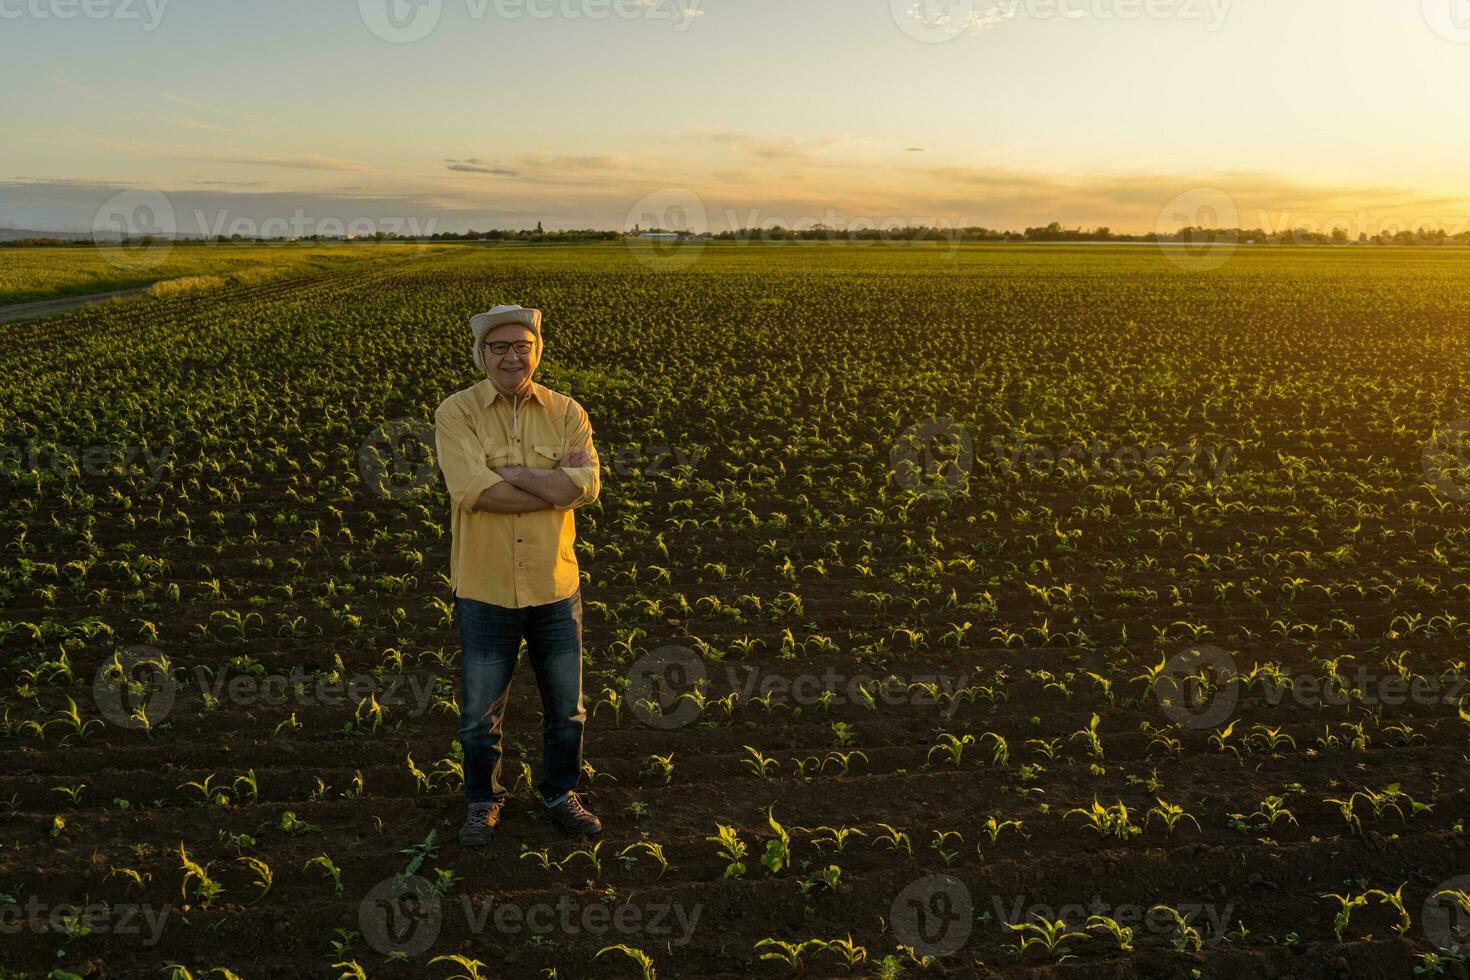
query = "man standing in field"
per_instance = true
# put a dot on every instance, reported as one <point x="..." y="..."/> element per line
<point x="517" y="458"/>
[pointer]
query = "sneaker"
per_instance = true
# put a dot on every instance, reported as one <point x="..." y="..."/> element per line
<point x="479" y="827"/>
<point x="572" y="817"/>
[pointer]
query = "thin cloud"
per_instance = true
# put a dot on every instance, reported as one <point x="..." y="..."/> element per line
<point x="540" y="160"/>
<point x="474" y="165"/>
<point x="777" y="147"/>
<point x="179" y="121"/>
<point x="188" y="103"/>
<point x="229" y="183"/>
<point x="77" y="89"/>
<point x="283" y="163"/>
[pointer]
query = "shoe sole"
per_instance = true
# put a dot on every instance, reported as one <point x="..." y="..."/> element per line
<point x="476" y="840"/>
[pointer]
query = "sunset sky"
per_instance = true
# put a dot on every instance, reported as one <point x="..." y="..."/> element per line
<point x="509" y="112"/>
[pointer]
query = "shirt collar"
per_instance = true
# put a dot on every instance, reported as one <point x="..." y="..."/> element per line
<point x="535" y="392"/>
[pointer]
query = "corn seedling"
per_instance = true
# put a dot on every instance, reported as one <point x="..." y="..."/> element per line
<point x="1001" y="756"/>
<point x="1170" y="814"/>
<point x="828" y="878"/>
<point x="941" y="839"/>
<point x="542" y="856"/>
<point x="954" y="747"/>
<point x="329" y="869"/>
<point x="778" y="850"/>
<point x="1049" y="937"/>
<point x="263" y="876"/>
<point x="1346" y="904"/>
<point x="788" y="953"/>
<point x="893" y="839"/>
<point x="843" y="760"/>
<point x="1111" y="821"/>
<point x="592" y="855"/>
<point x="1394" y="900"/>
<point x="659" y="767"/>
<point x="761" y="765"/>
<point x="653" y="850"/>
<point x="205" y="888"/>
<point x="732" y="849"/>
<point x="993" y="827"/>
<point x="1186" y="937"/>
<point x="1123" y="934"/>
<point x="851" y="955"/>
<point x="836" y="836"/>
<point x="471" y="967"/>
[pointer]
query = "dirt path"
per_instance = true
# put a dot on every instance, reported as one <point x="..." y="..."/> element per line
<point x="46" y="307"/>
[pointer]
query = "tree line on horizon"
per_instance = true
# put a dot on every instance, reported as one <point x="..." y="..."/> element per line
<point x="1053" y="232"/>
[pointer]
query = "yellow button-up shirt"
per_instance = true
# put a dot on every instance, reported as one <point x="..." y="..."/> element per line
<point x="512" y="560"/>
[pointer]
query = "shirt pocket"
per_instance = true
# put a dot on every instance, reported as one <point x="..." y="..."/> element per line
<point x="547" y="455"/>
<point x="498" y="453"/>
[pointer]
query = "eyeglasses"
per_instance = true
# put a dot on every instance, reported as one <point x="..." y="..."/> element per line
<point x="499" y="347"/>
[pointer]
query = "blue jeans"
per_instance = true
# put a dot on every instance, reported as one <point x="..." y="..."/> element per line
<point x="490" y="636"/>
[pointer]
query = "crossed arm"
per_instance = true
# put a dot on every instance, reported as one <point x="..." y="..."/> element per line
<point x="524" y="488"/>
<point x="473" y="486"/>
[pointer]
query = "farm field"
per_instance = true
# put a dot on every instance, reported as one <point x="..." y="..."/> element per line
<point x="1139" y="587"/>
<point x="30" y="274"/>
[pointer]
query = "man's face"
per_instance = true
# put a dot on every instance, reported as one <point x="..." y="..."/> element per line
<point x="512" y="370"/>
